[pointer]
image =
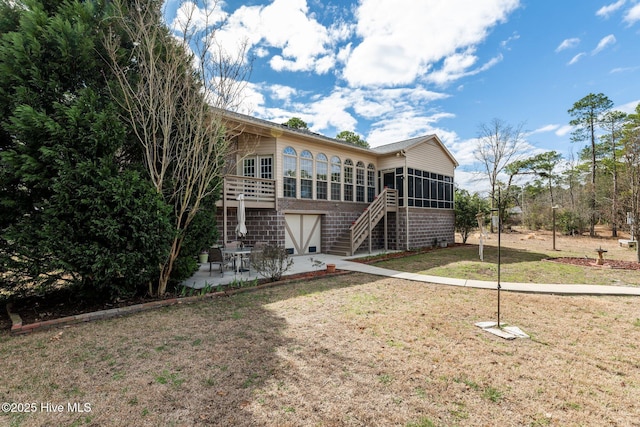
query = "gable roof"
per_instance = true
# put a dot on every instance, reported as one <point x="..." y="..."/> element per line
<point x="407" y="144"/>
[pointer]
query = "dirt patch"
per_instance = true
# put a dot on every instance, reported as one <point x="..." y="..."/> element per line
<point x="581" y="246"/>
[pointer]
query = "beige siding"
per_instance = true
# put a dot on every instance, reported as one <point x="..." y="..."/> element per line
<point x="316" y="148"/>
<point x="429" y="156"/>
<point x="390" y="161"/>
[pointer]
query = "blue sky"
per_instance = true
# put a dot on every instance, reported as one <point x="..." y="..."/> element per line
<point x="395" y="69"/>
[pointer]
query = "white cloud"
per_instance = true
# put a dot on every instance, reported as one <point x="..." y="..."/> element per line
<point x="544" y="129"/>
<point x="305" y="44"/>
<point x="252" y="99"/>
<point x="576" y="58"/>
<point x="606" y="11"/>
<point x="282" y="93"/>
<point x="505" y="43"/>
<point x="624" y="70"/>
<point x="629" y="107"/>
<point x="632" y="15"/>
<point x="404" y="39"/>
<point x="191" y="17"/>
<point x="568" y="44"/>
<point x="604" y="43"/>
<point x="564" y="130"/>
<point x="394" y="128"/>
<point x="451" y="73"/>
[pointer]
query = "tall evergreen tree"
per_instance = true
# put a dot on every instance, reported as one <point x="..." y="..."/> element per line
<point x="73" y="208"/>
<point x="587" y="114"/>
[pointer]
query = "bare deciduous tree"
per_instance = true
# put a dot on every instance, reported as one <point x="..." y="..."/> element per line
<point x="175" y="89"/>
<point x="498" y="145"/>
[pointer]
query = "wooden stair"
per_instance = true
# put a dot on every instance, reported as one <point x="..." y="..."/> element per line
<point x="360" y="231"/>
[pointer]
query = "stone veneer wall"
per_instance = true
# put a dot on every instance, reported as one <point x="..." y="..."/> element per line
<point x="268" y="224"/>
<point x="426" y="225"/>
<point x="262" y="225"/>
<point x="336" y="216"/>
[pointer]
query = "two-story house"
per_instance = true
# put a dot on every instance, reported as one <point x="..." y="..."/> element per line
<point x="312" y="194"/>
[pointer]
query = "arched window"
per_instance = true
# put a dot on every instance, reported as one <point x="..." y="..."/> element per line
<point x="306" y="175"/>
<point x="371" y="182"/>
<point x="348" y="180"/>
<point x="336" y="178"/>
<point x="360" y="182"/>
<point x="322" y="170"/>
<point x="289" y="167"/>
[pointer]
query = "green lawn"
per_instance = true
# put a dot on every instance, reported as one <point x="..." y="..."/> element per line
<point x="516" y="266"/>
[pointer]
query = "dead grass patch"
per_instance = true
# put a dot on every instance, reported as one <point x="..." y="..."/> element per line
<point x="348" y="350"/>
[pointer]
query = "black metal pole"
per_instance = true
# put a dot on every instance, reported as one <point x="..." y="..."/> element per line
<point x="499" y="250"/>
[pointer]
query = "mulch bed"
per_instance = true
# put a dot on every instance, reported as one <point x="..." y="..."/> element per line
<point x="591" y="262"/>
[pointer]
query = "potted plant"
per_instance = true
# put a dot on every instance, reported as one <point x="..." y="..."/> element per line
<point x="203" y="258"/>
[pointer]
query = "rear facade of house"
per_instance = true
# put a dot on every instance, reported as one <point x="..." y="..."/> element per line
<point x="313" y="194"/>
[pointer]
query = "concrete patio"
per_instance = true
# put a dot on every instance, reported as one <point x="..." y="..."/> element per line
<point x="304" y="263"/>
<point x="301" y="264"/>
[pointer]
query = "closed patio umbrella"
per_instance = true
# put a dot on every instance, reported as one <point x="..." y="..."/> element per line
<point x="241" y="228"/>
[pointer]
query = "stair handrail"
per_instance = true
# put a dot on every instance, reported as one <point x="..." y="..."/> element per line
<point x="359" y="229"/>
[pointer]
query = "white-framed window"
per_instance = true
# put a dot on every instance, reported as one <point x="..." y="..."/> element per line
<point x="322" y="171"/>
<point x="289" y="168"/>
<point x="266" y="167"/>
<point x="360" y="181"/>
<point x="371" y="182"/>
<point x="336" y="178"/>
<point x="348" y="180"/>
<point x="249" y="167"/>
<point x="306" y="175"/>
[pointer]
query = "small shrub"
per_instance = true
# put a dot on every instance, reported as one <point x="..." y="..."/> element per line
<point x="271" y="262"/>
<point x="571" y="223"/>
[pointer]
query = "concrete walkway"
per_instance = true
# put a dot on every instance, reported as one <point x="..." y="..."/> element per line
<point x="305" y="263"/>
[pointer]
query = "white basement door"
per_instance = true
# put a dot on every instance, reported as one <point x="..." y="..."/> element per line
<point x="302" y="233"/>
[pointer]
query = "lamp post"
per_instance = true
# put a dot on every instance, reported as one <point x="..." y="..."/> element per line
<point x="553" y="209"/>
<point x="495" y="221"/>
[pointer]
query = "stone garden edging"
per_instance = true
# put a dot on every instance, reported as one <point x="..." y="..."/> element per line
<point x="18" y="328"/>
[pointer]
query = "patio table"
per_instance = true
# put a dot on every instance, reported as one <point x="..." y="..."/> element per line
<point x="238" y="254"/>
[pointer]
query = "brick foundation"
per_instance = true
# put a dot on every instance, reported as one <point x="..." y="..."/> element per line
<point x="267" y="225"/>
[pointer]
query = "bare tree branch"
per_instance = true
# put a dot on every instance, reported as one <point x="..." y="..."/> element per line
<point x="175" y="90"/>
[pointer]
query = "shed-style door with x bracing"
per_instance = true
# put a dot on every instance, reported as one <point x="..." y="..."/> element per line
<point x="302" y="233"/>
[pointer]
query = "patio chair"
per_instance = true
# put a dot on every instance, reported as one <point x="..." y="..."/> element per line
<point x="256" y="251"/>
<point x="216" y="257"/>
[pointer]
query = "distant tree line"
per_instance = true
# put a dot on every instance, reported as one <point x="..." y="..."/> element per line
<point x="601" y="185"/>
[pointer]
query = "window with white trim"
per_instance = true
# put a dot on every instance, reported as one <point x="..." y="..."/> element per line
<point x="348" y="180"/>
<point x="266" y="167"/>
<point x="336" y="178"/>
<point x="360" y="181"/>
<point x="306" y="175"/>
<point x="289" y="167"/>
<point x="371" y="182"/>
<point x="322" y="168"/>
